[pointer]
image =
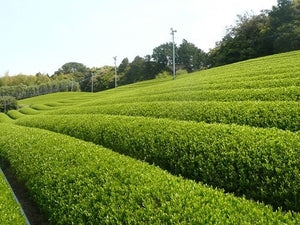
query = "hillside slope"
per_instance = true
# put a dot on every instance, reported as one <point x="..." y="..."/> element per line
<point x="234" y="127"/>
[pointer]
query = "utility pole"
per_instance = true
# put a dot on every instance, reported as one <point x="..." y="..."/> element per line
<point x="92" y="82"/>
<point x="73" y="71"/>
<point x="172" y="33"/>
<point x="4" y="100"/>
<point x="115" y="59"/>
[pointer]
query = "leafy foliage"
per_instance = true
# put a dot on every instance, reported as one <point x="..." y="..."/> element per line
<point x="10" y="211"/>
<point x="78" y="70"/>
<point x="22" y="79"/>
<point x="14" y="114"/>
<point x="259" y="163"/>
<point x="8" y="103"/>
<point x="4" y="118"/>
<point x="273" y="31"/>
<point x="282" y="115"/>
<point x="29" y="111"/>
<point x="23" y="91"/>
<point x="75" y="182"/>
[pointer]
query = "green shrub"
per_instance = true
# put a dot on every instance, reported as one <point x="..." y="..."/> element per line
<point x="280" y="114"/>
<point x="10" y="210"/>
<point x="41" y="107"/>
<point x="163" y="74"/>
<point x="14" y="114"/>
<point x="5" y="118"/>
<point x="76" y="182"/>
<point x="28" y="111"/>
<point x="181" y="72"/>
<point x="262" y="164"/>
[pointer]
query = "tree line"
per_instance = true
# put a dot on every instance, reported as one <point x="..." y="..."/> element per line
<point x="26" y="86"/>
<point x="272" y="31"/>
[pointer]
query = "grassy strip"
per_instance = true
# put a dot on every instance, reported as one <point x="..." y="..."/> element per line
<point x="262" y="164"/>
<point x="282" y="115"/>
<point x="75" y="182"/>
<point x="10" y="210"/>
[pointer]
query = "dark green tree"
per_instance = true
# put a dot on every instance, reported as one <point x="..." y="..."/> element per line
<point x="78" y="70"/>
<point x="135" y="72"/>
<point x="73" y="70"/>
<point x="190" y="57"/>
<point x="273" y="31"/>
<point x="8" y="103"/>
<point x="151" y="68"/>
<point x="247" y="39"/>
<point x="163" y="54"/>
<point x="285" y="26"/>
<point x="123" y="67"/>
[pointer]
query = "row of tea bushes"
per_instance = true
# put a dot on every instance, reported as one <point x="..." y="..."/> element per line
<point x="76" y="182"/>
<point x="10" y="210"/>
<point x="15" y="114"/>
<point x="5" y="118"/>
<point x="291" y="93"/>
<point x="262" y="164"/>
<point x="279" y="114"/>
<point x="225" y="84"/>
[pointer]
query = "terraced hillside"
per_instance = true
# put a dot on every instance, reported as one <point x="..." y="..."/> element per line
<point x="233" y="128"/>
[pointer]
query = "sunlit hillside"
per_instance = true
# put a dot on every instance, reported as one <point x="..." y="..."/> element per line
<point x="223" y="146"/>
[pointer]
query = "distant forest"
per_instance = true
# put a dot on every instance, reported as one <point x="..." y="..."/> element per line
<point x="272" y="31"/>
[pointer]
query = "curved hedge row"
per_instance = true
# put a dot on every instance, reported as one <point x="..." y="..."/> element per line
<point x="41" y="107"/>
<point x="5" y="118"/>
<point x="14" y="114"/>
<point x="262" y="164"/>
<point x="230" y="84"/>
<point x="282" y="115"/>
<point x="75" y="182"/>
<point x="29" y="111"/>
<point x="291" y="93"/>
<point x="264" y="94"/>
<point x="10" y="210"/>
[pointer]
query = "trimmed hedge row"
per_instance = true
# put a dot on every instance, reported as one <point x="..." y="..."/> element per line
<point x="265" y="94"/>
<point x="230" y="84"/>
<point x="262" y="164"/>
<point x="41" y="107"/>
<point x="29" y="111"/>
<point x="14" y="114"/>
<point x="5" y="118"/>
<point x="10" y="210"/>
<point x="283" y="115"/>
<point x="75" y="182"/>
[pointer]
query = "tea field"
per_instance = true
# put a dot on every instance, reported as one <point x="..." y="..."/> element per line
<point x="219" y="146"/>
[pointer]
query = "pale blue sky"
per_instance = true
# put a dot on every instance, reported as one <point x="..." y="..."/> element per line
<point x="42" y="35"/>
